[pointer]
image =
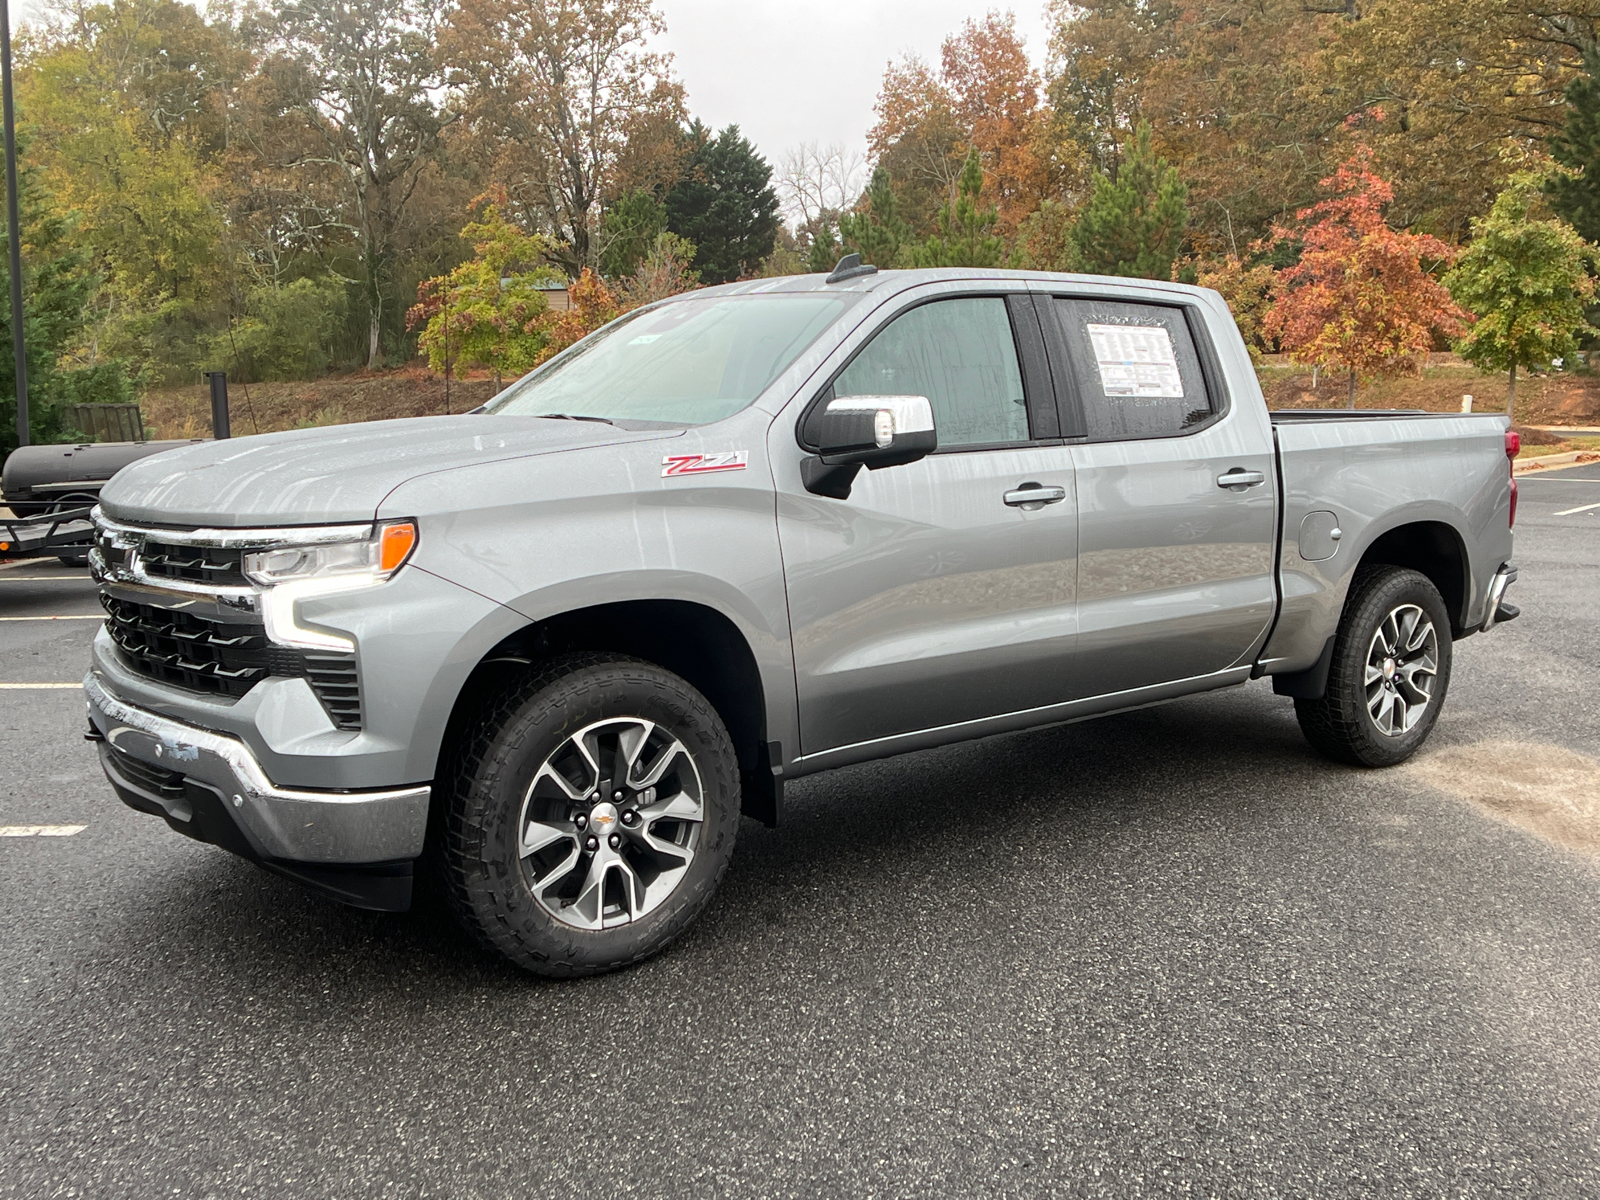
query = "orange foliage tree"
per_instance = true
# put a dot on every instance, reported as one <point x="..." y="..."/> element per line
<point x="984" y="97"/>
<point x="1359" y="298"/>
<point x="590" y="304"/>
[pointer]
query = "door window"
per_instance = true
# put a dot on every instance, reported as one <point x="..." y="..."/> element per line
<point x="958" y="353"/>
<point x="1135" y="368"/>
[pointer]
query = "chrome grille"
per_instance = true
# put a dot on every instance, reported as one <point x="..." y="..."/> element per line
<point x="219" y="565"/>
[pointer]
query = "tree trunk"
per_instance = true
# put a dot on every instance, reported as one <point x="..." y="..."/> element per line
<point x="1352" y="401"/>
<point x="1511" y="394"/>
<point x="374" y="285"/>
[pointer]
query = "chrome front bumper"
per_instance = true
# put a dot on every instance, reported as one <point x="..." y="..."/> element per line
<point x="277" y="824"/>
<point x="1503" y="578"/>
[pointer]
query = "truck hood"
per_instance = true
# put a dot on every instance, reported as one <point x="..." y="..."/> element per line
<point x="333" y="474"/>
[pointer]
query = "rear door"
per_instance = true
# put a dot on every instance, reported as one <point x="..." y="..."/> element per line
<point x="935" y="595"/>
<point x="1175" y="571"/>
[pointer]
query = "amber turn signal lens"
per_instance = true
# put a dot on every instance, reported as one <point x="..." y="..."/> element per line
<point x="395" y="544"/>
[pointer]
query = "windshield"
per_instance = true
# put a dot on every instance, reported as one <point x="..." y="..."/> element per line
<point x="686" y="363"/>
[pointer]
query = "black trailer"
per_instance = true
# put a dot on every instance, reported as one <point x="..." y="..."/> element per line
<point x="41" y="480"/>
<point x="66" y="534"/>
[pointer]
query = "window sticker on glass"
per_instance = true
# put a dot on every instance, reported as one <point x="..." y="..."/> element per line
<point x="1136" y="360"/>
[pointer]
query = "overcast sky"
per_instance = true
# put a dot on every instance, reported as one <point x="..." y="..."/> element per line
<point x="805" y="71"/>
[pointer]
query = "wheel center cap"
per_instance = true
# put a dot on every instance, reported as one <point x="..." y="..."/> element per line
<point x="1388" y="669"/>
<point x="603" y="818"/>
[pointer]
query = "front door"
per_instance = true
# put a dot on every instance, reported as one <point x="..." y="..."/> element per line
<point x="936" y="594"/>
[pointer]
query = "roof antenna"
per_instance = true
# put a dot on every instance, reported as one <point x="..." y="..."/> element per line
<point x="849" y="267"/>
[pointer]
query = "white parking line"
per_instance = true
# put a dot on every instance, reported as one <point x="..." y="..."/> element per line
<point x="22" y="687"/>
<point x="1567" y="512"/>
<point x="89" y="617"/>
<point x="44" y="578"/>
<point x="40" y="830"/>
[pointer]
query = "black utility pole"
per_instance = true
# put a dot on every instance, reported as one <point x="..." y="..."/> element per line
<point x="13" y="226"/>
<point x="219" y="397"/>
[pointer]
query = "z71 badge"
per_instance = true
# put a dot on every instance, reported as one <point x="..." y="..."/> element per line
<point x="703" y="464"/>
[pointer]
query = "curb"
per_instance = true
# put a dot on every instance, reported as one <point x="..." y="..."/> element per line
<point x="1570" y="458"/>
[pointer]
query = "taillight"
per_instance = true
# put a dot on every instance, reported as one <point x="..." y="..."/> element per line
<point x="1513" y="448"/>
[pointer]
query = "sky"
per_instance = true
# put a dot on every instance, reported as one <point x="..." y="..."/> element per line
<point x="789" y="73"/>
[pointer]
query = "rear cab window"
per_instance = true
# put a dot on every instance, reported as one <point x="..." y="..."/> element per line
<point x="1133" y="370"/>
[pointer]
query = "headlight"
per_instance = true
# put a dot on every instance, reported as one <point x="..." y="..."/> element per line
<point x="369" y="560"/>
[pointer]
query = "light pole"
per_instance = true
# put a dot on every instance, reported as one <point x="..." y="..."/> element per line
<point x="13" y="225"/>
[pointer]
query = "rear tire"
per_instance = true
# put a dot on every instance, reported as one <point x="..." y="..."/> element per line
<point x="589" y="815"/>
<point x="1390" y="671"/>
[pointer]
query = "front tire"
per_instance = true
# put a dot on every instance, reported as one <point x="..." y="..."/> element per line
<point x="1390" y="671"/>
<point x="590" y="814"/>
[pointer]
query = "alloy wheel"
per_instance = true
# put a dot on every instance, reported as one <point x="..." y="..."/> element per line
<point x="1402" y="665"/>
<point x="610" y="823"/>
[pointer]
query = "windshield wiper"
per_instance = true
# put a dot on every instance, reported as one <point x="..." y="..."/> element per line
<point x="575" y="417"/>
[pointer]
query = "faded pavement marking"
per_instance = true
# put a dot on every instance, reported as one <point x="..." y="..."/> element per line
<point x="1548" y="790"/>
<point x="40" y="830"/>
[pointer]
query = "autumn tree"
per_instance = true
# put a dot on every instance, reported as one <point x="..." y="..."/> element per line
<point x="1256" y="100"/>
<point x="1526" y="278"/>
<point x="1133" y="224"/>
<point x="1102" y="54"/>
<point x="964" y="235"/>
<point x="983" y="97"/>
<point x="917" y="139"/>
<point x="590" y="305"/>
<point x="1044" y="240"/>
<point x="665" y="269"/>
<point x="994" y="98"/>
<point x="1360" y="298"/>
<point x="1247" y="287"/>
<point x="489" y="311"/>
<point x="126" y="106"/>
<point x="362" y="76"/>
<point x="553" y="92"/>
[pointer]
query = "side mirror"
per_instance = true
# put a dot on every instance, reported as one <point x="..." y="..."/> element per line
<point x="851" y="432"/>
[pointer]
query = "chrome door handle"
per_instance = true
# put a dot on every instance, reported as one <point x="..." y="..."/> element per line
<point x="1034" y="496"/>
<point x="1240" y="479"/>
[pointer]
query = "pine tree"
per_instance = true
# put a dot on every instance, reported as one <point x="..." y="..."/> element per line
<point x="1134" y="222"/>
<point x="965" y="236"/>
<point x="1528" y="281"/>
<point x="724" y="203"/>
<point x="824" y="253"/>
<point x="879" y="234"/>
<point x="1576" y="196"/>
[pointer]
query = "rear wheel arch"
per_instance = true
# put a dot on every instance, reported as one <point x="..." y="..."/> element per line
<point x="1432" y="548"/>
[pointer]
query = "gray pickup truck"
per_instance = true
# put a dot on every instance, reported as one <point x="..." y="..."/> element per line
<point x="552" y="649"/>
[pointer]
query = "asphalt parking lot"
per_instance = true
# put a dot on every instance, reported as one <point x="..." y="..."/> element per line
<point x="1167" y="953"/>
